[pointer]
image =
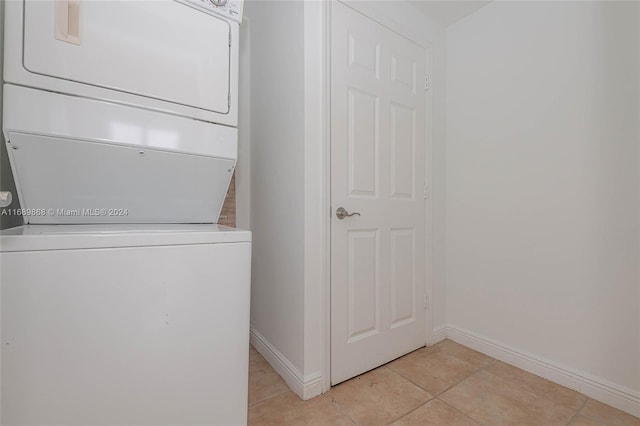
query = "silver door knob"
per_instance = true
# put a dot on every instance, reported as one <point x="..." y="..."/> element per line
<point x="341" y="213"/>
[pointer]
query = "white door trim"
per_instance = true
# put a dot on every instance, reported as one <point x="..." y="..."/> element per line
<point x="317" y="195"/>
<point x="326" y="178"/>
<point x="326" y="291"/>
<point x="429" y="187"/>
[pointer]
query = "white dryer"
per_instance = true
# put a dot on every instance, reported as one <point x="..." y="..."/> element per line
<point x="121" y="301"/>
<point x="125" y="105"/>
<point x="178" y="57"/>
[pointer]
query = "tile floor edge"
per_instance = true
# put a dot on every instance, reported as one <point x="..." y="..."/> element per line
<point x="598" y="389"/>
<point x="305" y="386"/>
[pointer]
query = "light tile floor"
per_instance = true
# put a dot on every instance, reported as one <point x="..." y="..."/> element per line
<point x="446" y="384"/>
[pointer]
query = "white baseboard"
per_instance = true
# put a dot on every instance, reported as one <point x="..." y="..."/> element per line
<point x="305" y="387"/>
<point x="612" y="394"/>
<point x="439" y="334"/>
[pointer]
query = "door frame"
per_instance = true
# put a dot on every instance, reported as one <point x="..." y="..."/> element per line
<point x="386" y="22"/>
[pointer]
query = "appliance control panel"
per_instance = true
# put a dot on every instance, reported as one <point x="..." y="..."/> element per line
<point x="231" y="9"/>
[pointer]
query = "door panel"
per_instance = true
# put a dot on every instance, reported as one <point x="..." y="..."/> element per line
<point x="377" y="170"/>
<point x="403" y="283"/>
<point x="363" y="283"/>
<point x="402" y="151"/>
<point x="363" y="116"/>
<point x="364" y="53"/>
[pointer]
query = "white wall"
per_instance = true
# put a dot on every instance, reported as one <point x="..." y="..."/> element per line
<point x="277" y="174"/>
<point x="543" y="183"/>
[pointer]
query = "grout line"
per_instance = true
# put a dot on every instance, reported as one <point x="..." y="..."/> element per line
<point x="269" y="397"/>
<point x="254" y="356"/>
<point x="435" y="396"/>
<point x="460" y="411"/>
<point x="489" y="364"/>
<point x="410" y="381"/>
<point x="411" y="411"/>
<point x="345" y="412"/>
<point x="340" y="408"/>
<point x="432" y="397"/>
<point x="578" y="411"/>
<point x="493" y="361"/>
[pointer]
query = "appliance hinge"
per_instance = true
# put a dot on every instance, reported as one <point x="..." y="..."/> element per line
<point x="427" y="83"/>
<point x="229" y="39"/>
<point x="426" y="192"/>
<point x="229" y="100"/>
<point x="426" y="301"/>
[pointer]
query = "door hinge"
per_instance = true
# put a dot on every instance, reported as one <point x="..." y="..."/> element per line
<point x="426" y="301"/>
<point x="229" y="100"/>
<point x="427" y="84"/>
<point x="229" y="39"/>
<point x="426" y="192"/>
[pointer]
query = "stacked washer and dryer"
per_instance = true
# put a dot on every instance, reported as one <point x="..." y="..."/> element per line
<point x="121" y="301"/>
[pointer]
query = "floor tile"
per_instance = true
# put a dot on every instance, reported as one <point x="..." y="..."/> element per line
<point x="437" y="368"/>
<point x="264" y="382"/>
<point x="435" y="412"/>
<point x="603" y="414"/>
<point x="377" y="397"/>
<point x="481" y="390"/>
<point x="252" y="351"/>
<point x="538" y="385"/>
<point x="581" y="420"/>
<point x="493" y="400"/>
<point x="464" y="353"/>
<point x="287" y="409"/>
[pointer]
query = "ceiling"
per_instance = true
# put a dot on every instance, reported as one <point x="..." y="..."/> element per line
<point x="448" y="12"/>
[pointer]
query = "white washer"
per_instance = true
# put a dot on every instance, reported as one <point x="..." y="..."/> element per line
<point x="124" y="325"/>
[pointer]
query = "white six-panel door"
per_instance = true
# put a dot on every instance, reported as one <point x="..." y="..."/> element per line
<point x="377" y="170"/>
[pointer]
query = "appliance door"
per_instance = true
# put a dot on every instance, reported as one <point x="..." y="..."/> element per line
<point x="78" y="160"/>
<point x="63" y="180"/>
<point x="163" y="50"/>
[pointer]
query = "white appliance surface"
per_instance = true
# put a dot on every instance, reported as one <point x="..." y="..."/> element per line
<point x="45" y="113"/>
<point x="95" y="236"/>
<point x="78" y="160"/>
<point x="164" y="55"/>
<point x="231" y="9"/>
<point x="116" y="324"/>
